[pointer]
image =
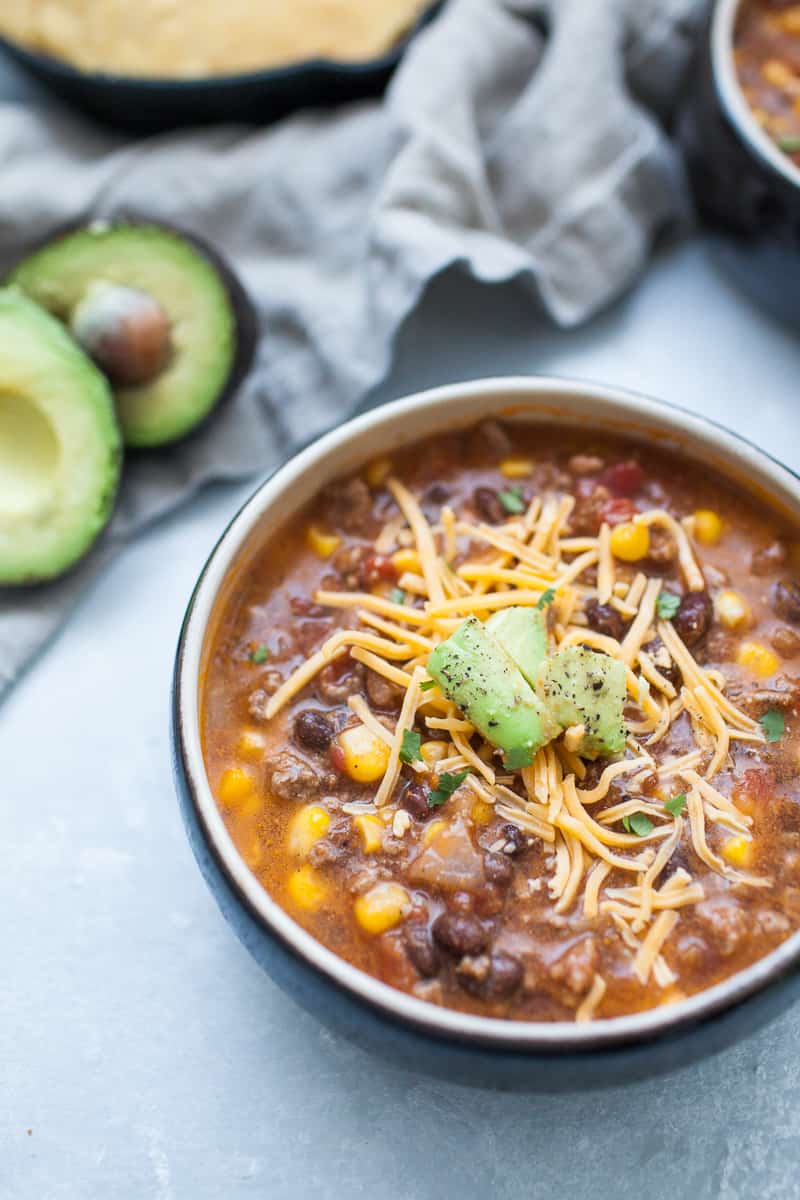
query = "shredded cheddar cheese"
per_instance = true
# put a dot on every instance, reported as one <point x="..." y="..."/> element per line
<point x="615" y="861"/>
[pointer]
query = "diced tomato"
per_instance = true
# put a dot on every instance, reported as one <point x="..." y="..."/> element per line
<point x="618" y="510"/>
<point x="623" y="479"/>
<point x="379" y="568"/>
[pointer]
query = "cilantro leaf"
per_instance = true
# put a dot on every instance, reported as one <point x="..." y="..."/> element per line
<point x="397" y="596"/>
<point x="409" y="750"/>
<point x="773" y="724"/>
<point x="427" y="685"/>
<point x="667" y="605"/>
<point x="445" y="786"/>
<point x="676" y="804"/>
<point x="547" y="597"/>
<point x="638" y="823"/>
<point x="512" y="500"/>
<point x="260" y="654"/>
<point x="517" y="758"/>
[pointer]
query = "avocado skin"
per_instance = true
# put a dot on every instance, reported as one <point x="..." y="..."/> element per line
<point x="583" y="687"/>
<point x="200" y="293"/>
<point x="41" y="362"/>
<point x="475" y="672"/>
<point x="522" y="632"/>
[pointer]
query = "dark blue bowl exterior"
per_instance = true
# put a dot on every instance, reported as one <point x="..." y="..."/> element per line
<point x="151" y="106"/>
<point x="753" y="209"/>
<point x="419" y="1051"/>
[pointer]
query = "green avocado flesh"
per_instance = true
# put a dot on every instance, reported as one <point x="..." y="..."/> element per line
<point x="476" y="673"/>
<point x="582" y="687"/>
<point x="500" y="675"/>
<point x="154" y="263"/>
<point x="522" y="632"/>
<point x="60" y="448"/>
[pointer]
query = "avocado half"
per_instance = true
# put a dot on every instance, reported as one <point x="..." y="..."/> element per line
<point x="160" y="314"/>
<point x="60" y="446"/>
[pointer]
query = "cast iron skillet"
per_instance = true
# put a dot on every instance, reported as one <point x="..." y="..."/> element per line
<point x="743" y="184"/>
<point x="154" y="105"/>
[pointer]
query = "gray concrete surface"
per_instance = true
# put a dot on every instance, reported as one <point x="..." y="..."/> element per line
<point x="143" y="1055"/>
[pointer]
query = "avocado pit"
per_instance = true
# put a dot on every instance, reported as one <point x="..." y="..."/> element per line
<point x="125" y="331"/>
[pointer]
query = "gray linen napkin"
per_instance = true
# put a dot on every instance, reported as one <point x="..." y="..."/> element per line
<point x="518" y="140"/>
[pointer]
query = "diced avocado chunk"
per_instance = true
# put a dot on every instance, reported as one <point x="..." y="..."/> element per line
<point x="522" y="632"/>
<point x="583" y="687"/>
<point x="60" y="447"/>
<point x="474" y="671"/>
<point x="153" y="312"/>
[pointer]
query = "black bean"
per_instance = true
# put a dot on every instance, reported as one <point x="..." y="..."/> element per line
<point x="505" y="974"/>
<point x="672" y="673"/>
<point x="436" y="493"/>
<point x="785" y="600"/>
<point x="488" y="977"/>
<point x="498" y="869"/>
<point x="459" y="933"/>
<point x="515" y="838"/>
<point x="313" y="729"/>
<point x="415" y="802"/>
<point x="693" y="617"/>
<point x="421" y="950"/>
<point x="487" y="505"/>
<point x="786" y="641"/>
<point x="604" y="619"/>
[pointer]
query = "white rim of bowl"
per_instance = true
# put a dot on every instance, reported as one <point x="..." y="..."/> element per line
<point x="723" y="24"/>
<point x="485" y="1032"/>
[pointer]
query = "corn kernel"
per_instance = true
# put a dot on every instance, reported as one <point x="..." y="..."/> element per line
<point x="482" y="813"/>
<point x="732" y="610"/>
<point x="432" y="830"/>
<point x="516" y="468"/>
<point x="366" y="756"/>
<point x="406" y="560"/>
<point x="306" y="888"/>
<point x="370" y="830"/>
<point x="758" y="658"/>
<point x="378" y="472"/>
<point x="630" y="542"/>
<point x="251" y="743"/>
<point x="323" y="544"/>
<point x="777" y="73"/>
<point x="306" y="827"/>
<point x="235" y="786"/>
<point x="382" y="907"/>
<point x="707" y="526"/>
<point x="433" y="752"/>
<point x="738" y="851"/>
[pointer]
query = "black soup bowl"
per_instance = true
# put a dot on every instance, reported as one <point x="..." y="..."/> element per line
<point x="484" y="1051"/>
<point x="743" y="184"/>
